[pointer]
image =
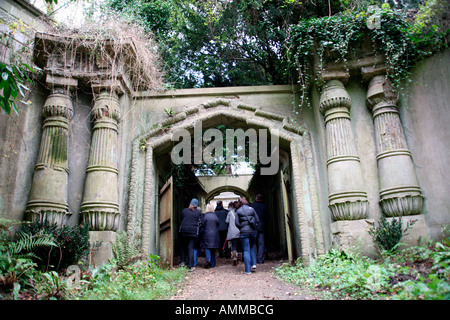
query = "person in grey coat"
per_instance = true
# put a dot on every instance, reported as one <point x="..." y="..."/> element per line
<point x="233" y="233"/>
<point x="210" y="238"/>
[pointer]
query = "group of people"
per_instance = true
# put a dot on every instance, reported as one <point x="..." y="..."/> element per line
<point x="242" y="224"/>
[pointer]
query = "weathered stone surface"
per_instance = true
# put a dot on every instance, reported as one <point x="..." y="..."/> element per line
<point x="346" y="195"/>
<point x="400" y="192"/>
<point x="100" y="207"/>
<point x="353" y="235"/>
<point x="102" y="243"/>
<point x="48" y="200"/>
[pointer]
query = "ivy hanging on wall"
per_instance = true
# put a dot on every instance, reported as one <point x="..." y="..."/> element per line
<point x="336" y="38"/>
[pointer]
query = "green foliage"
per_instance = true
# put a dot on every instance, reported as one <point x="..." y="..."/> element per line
<point x="72" y="244"/>
<point x="29" y="242"/>
<point x="340" y="272"/>
<point x="140" y="281"/>
<point x="254" y="42"/>
<point x="338" y="36"/>
<point x="418" y="273"/>
<point x="17" y="268"/>
<point x="126" y="250"/>
<point x="222" y="43"/>
<point x="12" y="86"/>
<point x="51" y="286"/>
<point x="431" y="16"/>
<point x="387" y="235"/>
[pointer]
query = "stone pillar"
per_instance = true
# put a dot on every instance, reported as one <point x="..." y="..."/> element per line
<point x="100" y="207"/>
<point x="346" y="195"/>
<point x="400" y="194"/>
<point x="48" y="198"/>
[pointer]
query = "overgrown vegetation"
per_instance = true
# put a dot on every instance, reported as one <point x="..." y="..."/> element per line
<point x="26" y="253"/>
<point x="71" y="244"/>
<point x="253" y="42"/>
<point x="416" y="273"/>
<point x="139" y="281"/>
<point x="387" y="235"/>
<point x="118" y="44"/>
<point x="338" y="38"/>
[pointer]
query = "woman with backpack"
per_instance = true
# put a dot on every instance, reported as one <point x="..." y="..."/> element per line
<point x="246" y="221"/>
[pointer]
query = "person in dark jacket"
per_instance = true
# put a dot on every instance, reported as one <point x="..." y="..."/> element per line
<point x="189" y="230"/>
<point x="261" y="211"/>
<point x="247" y="221"/>
<point x="233" y="234"/>
<point x="210" y="237"/>
<point x="222" y="213"/>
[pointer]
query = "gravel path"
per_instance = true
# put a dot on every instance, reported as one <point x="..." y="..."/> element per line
<point x="225" y="282"/>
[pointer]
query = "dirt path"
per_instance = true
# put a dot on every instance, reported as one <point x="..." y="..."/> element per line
<point x="225" y="282"/>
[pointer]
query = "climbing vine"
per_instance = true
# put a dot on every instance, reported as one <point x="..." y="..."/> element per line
<point x="337" y="38"/>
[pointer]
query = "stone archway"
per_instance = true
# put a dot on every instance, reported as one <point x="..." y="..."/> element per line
<point x="142" y="212"/>
<point x="221" y="189"/>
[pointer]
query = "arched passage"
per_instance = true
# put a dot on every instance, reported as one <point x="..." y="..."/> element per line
<point x="304" y="220"/>
<point x="221" y="189"/>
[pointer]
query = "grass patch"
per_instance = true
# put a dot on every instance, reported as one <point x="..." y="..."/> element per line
<point x="140" y="281"/>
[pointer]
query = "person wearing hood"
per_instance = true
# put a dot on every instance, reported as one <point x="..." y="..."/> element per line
<point x="189" y="231"/>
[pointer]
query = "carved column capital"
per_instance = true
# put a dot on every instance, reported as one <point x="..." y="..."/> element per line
<point x="334" y="95"/>
<point x="106" y="106"/>
<point x="58" y="104"/>
<point x="381" y="91"/>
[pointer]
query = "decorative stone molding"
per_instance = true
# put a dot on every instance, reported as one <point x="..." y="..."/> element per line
<point x="400" y="193"/>
<point x="100" y="207"/>
<point x="142" y="212"/>
<point x="48" y="200"/>
<point x="347" y="198"/>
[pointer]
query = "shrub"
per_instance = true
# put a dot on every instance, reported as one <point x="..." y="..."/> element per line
<point x="341" y="273"/>
<point x="387" y="235"/>
<point x="72" y="244"/>
<point x="17" y="268"/>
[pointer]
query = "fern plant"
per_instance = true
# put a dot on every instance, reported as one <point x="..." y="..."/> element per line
<point x="16" y="265"/>
<point x="126" y="250"/>
<point x="72" y="244"/>
<point x="28" y="242"/>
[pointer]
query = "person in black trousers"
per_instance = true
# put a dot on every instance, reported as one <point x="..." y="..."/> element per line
<point x="189" y="230"/>
<point x="222" y="213"/>
<point x="261" y="211"/>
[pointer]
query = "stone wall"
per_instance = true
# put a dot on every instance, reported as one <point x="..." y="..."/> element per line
<point x="424" y="110"/>
<point x="354" y="147"/>
<point x="20" y="135"/>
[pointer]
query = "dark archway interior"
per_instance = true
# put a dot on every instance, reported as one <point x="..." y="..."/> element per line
<point x="187" y="186"/>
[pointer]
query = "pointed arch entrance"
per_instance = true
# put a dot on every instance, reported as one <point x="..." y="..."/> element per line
<point x="143" y="202"/>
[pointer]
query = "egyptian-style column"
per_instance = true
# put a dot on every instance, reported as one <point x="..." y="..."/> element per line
<point x="400" y="194"/>
<point x="346" y="195"/>
<point x="100" y="207"/>
<point x="48" y="200"/>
